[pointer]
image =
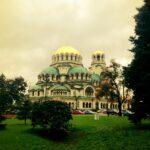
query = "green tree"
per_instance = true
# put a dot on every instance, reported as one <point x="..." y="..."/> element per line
<point x="106" y="90"/>
<point x="5" y="97"/>
<point x="11" y="91"/>
<point x="137" y="74"/>
<point x="51" y="115"/>
<point x="17" y="88"/>
<point x="112" y="86"/>
<point x="24" y="109"/>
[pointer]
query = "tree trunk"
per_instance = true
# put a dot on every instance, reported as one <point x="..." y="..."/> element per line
<point x="120" y="108"/>
<point x="25" y="120"/>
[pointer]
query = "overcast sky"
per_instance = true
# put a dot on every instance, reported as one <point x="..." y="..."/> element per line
<point x="31" y="29"/>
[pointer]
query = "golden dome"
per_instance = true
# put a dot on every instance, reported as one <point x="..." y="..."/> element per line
<point x="66" y="49"/>
<point x="98" y="52"/>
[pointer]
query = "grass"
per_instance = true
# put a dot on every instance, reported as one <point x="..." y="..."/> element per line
<point x="108" y="133"/>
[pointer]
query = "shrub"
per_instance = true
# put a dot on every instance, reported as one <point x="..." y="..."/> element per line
<point x="24" y="109"/>
<point x="52" y="115"/>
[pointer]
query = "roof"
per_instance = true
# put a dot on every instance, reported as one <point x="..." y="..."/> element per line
<point x="95" y="77"/>
<point x="36" y="87"/>
<point x="66" y="49"/>
<point x="75" y="70"/>
<point x="98" y="52"/>
<point x="50" y="70"/>
<point x="60" y="88"/>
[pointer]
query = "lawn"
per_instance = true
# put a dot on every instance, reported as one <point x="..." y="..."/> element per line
<point x="112" y="133"/>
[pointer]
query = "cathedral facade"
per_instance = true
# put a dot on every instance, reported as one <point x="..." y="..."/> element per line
<point x="66" y="79"/>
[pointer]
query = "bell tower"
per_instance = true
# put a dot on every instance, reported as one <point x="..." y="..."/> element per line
<point x="98" y="62"/>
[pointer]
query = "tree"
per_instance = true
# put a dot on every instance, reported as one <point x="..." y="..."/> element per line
<point x="5" y="97"/>
<point x="112" y="86"/>
<point x="52" y="115"/>
<point x="137" y="74"/>
<point x="17" y="88"/>
<point x="24" y="109"/>
<point x="105" y="90"/>
<point x="10" y="91"/>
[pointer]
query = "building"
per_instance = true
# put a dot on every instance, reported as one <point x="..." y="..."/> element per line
<point x="66" y="79"/>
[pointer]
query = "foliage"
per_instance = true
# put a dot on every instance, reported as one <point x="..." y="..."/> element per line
<point x="112" y="85"/>
<point x="5" y="97"/>
<point x="137" y="74"/>
<point x="53" y="115"/>
<point x="24" y="109"/>
<point x="10" y="91"/>
<point x="17" y="88"/>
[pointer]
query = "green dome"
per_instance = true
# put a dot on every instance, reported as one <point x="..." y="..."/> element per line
<point x="60" y="88"/>
<point x="50" y="70"/>
<point x="37" y="87"/>
<point x="75" y="70"/>
<point x="95" y="77"/>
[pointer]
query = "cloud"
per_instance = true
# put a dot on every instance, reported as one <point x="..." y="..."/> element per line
<point x="31" y="29"/>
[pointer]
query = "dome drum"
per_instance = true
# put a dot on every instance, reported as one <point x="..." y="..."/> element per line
<point x="98" y="56"/>
<point x="68" y="54"/>
<point x="66" y="57"/>
<point x="79" y="73"/>
<point x="79" y="76"/>
<point x="50" y="74"/>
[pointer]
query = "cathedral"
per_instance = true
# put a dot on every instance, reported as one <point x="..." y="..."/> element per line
<point x="66" y="79"/>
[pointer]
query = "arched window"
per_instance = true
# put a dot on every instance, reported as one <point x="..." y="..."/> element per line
<point x="67" y="57"/>
<point x="75" y="57"/>
<point x="38" y="93"/>
<point x="98" y="57"/>
<point x="87" y="105"/>
<point x="89" y="91"/>
<point x="33" y="93"/>
<point x="62" y="57"/>
<point x="82" y="76"/>
<point x="69" y="105"/>
<point x="52" y="77"/>
<point x="77" y="75"/>
<point x="83" y="105"/>
<point x="90" y="105"/>
<point x="94" y="57"/>
<point x="72" y="105"/>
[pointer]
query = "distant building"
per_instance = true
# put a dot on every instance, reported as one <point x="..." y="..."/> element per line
<point x="66" y="79"/>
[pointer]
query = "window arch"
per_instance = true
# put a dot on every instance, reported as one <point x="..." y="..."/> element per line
<point x="90" y="105"/>
<point x="83" y="105"/>
<point x="87" y="105"/>
<point x="33" y="93"/>
<point x="66" y="56"/>
<point x="38" y="93"/>
<point x="89" y="91"/>
<point x="98" y="57"/>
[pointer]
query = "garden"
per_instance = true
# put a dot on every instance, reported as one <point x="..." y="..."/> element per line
<point x="85" y="133"/>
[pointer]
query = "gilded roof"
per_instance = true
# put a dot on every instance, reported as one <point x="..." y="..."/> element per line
<point x="98" y="52"/>
<point x="66" y="49"/>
